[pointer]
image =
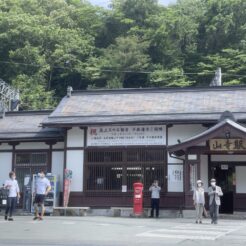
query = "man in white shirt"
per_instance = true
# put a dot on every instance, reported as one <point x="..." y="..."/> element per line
<point x="42" y="188"/>
<point x="13" y="193"/>
<point x="155" y="198"/>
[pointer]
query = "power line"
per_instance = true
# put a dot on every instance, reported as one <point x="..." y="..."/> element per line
<point x="127" y="71"/>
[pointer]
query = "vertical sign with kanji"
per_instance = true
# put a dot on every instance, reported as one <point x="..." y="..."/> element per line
<point x="67" y="185"/>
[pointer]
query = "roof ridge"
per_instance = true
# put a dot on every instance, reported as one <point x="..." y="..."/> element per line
<point x="156" y="90"/>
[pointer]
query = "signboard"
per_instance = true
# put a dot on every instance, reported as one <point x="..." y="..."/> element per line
<point x="67" y="185"/>
<point x="175" y="178"/>
<point x="227" y="144"/>
<point x="124" y="188"/>
<point x="126" y="135"/>
<point x="224" y="167"/>
<point x="193" y="176"/>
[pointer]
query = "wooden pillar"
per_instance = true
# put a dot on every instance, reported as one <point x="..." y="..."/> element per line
<point x="49" y="160"/>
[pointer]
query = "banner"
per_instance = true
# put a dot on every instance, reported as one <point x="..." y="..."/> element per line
<point x="126" y="135"/>
<point x="67" y="184"/>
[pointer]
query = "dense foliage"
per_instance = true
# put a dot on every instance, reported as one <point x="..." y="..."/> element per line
<point x="47" y="45"/>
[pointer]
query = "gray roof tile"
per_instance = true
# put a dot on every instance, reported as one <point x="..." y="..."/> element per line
<point x="117" y="106"/>
<point x="26" y="125"/>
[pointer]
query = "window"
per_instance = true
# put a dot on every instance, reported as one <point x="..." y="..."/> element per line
<point x="108" y="170"/>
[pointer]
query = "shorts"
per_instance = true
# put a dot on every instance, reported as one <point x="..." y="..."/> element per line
<point x="39" y="199"/>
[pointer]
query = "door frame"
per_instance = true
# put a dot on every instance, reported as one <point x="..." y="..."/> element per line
<point x="231" y="164"/>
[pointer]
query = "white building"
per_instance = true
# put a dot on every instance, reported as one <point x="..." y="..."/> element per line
<point x="113" y="138"/>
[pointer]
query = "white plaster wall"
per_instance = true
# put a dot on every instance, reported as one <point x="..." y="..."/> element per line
<point x="58" y="145"/>
<point x="75" y="162"/>
<point x="33" y="145"/>
<point x="5" y="146"/>
<point x="240" y="179"/>
<point x="75" y="137"/>
<point x="183" y="132"/>
<point x="204" y="171"/>
<point x="5" y="166"/>
<point x="174" y="160"/>
<point x="231" y="158"/>
<point x="57" y="166"/>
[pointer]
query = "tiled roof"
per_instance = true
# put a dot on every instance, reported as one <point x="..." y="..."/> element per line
<point x="144" y="105"/>
<point x="27" y="125"/>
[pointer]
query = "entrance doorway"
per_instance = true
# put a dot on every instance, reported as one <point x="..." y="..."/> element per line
<point x="225" y="175"/>
<point x="27" y="164"/>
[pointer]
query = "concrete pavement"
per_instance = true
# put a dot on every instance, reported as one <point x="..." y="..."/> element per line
<point x="108" y="231"/>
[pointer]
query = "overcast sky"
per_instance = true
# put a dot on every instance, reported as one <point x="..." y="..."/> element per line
<point x="104" y="3"/>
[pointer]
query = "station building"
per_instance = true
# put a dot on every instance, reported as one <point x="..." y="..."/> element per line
<point x="113" y="138"/>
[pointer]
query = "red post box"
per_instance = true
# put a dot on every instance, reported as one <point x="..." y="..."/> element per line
<point x="138" y="198"/>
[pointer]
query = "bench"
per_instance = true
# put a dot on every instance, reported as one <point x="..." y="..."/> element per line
<point x="70" y="211"/>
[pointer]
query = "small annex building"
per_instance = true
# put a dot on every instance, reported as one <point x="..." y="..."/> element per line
<point x="113" y="138"/>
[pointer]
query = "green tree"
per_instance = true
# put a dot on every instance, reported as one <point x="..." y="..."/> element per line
<point x="122" y="60"/>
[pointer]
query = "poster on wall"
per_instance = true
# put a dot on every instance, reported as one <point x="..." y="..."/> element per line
<point x="126" y="135"/>
<point x="193" y="176"/>
<point x="175" y="178"/>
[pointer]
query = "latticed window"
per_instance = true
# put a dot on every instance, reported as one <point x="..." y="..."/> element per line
<point x="108" y="170"/>
<point x="28" y="164"/>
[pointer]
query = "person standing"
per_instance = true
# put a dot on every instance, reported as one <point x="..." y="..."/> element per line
<point x="214" y="193"/>
<point x="13" y="194"/>
<point x="41" y="189"/>
<point x="155" y="198"/>
<point x="199" y="200"/>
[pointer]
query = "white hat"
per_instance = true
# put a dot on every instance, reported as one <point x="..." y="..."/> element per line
<point x="198" y="181"/>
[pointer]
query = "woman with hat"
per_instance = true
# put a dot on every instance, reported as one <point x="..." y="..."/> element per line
<point x="199" y="200"/>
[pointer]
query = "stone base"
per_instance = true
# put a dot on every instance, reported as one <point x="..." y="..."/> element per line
<point x="70" y="211"/>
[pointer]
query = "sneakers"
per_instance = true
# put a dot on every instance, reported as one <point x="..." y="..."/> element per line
<point x="38" y="218"/>
<point x="9" y="219"/>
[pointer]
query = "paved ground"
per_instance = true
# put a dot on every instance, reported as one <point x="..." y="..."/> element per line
<point x="108" y="231"/>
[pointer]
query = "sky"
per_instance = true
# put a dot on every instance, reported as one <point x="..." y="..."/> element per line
<point x="104" y="3"/>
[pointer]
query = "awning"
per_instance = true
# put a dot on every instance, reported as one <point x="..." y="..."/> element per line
<point x="223" y="129"/>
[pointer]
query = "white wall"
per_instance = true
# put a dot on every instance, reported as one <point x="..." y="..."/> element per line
<point x="240" y="179"/>
<point x="58" y="145"/>
<point x="183" y="132"/>
<point x="57" y="166"/>
<point x="75" y="137"/>
<point x="231" y="158"/>
<point x="34" y="145"/>
<point x="5" y="146"/>
<point x="204" y="171"/>
<point x="174" y="160"/>
<point x="5" y="166"/>
<point x="75" y="162"/>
